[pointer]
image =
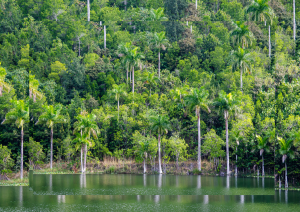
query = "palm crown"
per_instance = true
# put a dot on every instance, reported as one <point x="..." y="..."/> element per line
<point x="198" y="99"/>
<point x="160" y="124"/>
<point x="242" y="34"/>
<point x="260" y="11"/>
<point x="19" y="114"/>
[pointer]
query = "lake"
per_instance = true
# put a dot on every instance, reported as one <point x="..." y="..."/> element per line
<point x="146" y="193"/>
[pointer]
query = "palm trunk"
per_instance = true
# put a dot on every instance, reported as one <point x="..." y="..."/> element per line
<point x="159" y="156"/>
<point x="145" y="168"/>
<point x="196" y="4"/>
<point x="294" y="19"/>
<point x="241" y="77"/>
<point x="236" y="157"/>
<point x="270" y="41"/>
<point x="79" y="46"/>
<point x="263" y="165"/>
<point x="227" y="146"/>
<point x="159" y="63"/>
<point x="127" y="75"/>
<point x="199" y="143"/>
<point x="81" y="152"/>
<point x="85" y="153"/>
<point x="118" y="108"/>
<point x="22" y="135"/>
<point x="286" y="179"/>
<point x="34" y="97"/>
<point x="177" y="165"/>
<point x="104" y="37"/>
<point x="51" y="151"/>
<point x="133" y="79"/>
<point x="88" y="9"/>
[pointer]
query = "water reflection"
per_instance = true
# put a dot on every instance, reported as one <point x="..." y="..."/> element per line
<point x="199" y="181"/>
<point x="21" y="196"/>
<point x="61" y="198"/>
<point x="159" y="180"/>
<point x="286" y="196"/>
<point x="227" y="181"/>
<point x="263" y="182"/>
<point x="235" y="181"/>
<point x="144" y="180"/>
<point x="82" y="181"/>
<point x="242" y="199"/>
<point x="138" y="197"/>
<point x="156" y="198"/>
<point x="50" y="182"/>
<point x="205" y="199"/>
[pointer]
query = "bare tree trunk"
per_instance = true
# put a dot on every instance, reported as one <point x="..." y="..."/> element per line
<point x="227" y="145"/>
<point x="88" y="9"/>
<point x="294" y="19"/>
<point x="159" y="156"/>
<point x="118" y="108"/>
<point x="133" y="79"/>
<point x="79" y="47"/>
<point x="22" y="135"/>
<point x="286" y="179"/>
<point x="159" y="63"/>
<point x="241" y="78"/>
<point x="263" y="165"/>
<point x="127" y="75"/>
<point x="199" y="143"/>
<point x="270" y="41"/>
<point x="81" y="162"/>
<point x="104" y="37"/>
<point x="85" y="153"/>
<point x="145" y="168"/>
<point x="51" y="154"/>
<point x="196" y="4"/>
<point x="236" y="157"/>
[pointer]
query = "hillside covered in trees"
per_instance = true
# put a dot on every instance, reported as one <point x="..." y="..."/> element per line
<point x="216" y="80"/>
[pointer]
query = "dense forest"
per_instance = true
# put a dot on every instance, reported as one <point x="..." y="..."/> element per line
<point x="154" y="80"/>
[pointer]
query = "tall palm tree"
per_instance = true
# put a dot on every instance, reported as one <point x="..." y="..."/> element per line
<point x="159" y="124"/>
<point x="3" y="85"/>
<point x="86" y="123"/>
<point x="241" y="60"/>
<point x="124" y="51"/>
<point x="159" y="41"/>
<point x="242" y="34"/>
<point x="150" y="79"/>
<point x="79" y="141"/>
<point x="118" y="91"/>
<point x="19" y="115"/>
<point x="237" y="137"/>
<point x="134" y="59"/>
<point x="88" y="10"/>
<point x="294" y="19"/>
<point x="50" y="117"/>
<point x="263" y="146"/>
<point x="227" y="103"/>
<point x="286" y="150"/>
<point x="260" y="10"/>
<point x="197" y="100"/>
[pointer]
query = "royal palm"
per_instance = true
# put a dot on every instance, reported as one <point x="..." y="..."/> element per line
<point x="51" y="117"/>
<point x="197" y="100"/>
<point x="241" y="60"/>
<point x="19" y="115"/>
<point x="286" y="151"/>
<point x="134" y="59"/>
<point x="241" y="34"/>
<point x="159" y="124"/>
<point x="227" y="103"/>
<point x="118" y="91"/>
<point x="263" y="146"/>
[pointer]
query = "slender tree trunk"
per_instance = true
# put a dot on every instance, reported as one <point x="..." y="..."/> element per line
<point x="263" y="165"/>
<point x="88" y="9"/>
<point x="145" y="168"/>
<point x="199" y="143"/>
<point x="159" y="156"/>
<point x="51" y="154"/>
<point x="81" y="162"/>
<point x="270" y="41"/>
<point x="236" y="157"/>
<point x="118" y="108"/>
<point x="191" y="28"/>
<point x="127" y="75"/>
<point x="34" y="97"/>
<point x="22" y="135"/>
<point x="241" y="78"/>
<point x="85" y="153"/>
<point x="133" y="79"/>
<point x="130" y="73"/>
<point x="286" y="178"/>
<point x="196" y="4"/>
<point x="294" y="19"/>
<point x="104" y="37"/>
<point x="159" y="63"/>
<point x="177" y="165"/>
<point x="150" y="90"/>
<point x="227" y="145"/>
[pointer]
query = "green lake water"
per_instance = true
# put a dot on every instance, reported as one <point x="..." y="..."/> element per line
<point x="128" y="184"/>
<point x="153" y="194"/>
